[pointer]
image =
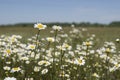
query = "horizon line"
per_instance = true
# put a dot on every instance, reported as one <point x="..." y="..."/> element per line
<point x="57" y="22"/>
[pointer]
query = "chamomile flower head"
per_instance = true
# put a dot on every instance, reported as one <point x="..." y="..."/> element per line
<point x="67" y="46"/>
<point x="15" y="69"/>
<point x="107" y="50"/>
<point x="8" y="62"/>
<point x="44" y="71"/>
<point x="58" y="28"/>
<point x="117" y="40"/>
<point x="8" y="51"/>
<point x="31" y="46"/>
<point x="37" y="69"/>
<point x="10" y="78"/>
<point x="61" y="48"/>
<point x="40" y="26"/>
<point x="72" y="25"/>
<point x="50" y="39"/>
<point x="6" y="68"/>
<point x="96" y="75"/>
<point x="24" y="58"/>
<point x="79" y="61"/>
<point x="87" y="43"/>
<point x="46" y="63"/>
<point x="13" y="39"/>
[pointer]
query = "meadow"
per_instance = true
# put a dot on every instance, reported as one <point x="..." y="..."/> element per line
<point x="103" y="33"/>
<point x="59" y="53"/>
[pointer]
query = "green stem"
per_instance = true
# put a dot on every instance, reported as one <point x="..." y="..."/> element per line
<point x="36" y="43"/>
<point x="61" y="63"/>
<point x="107" y="68"/>
<point x="54" y="66"/>
<point x="46" y="48"/>
<point x="87" y="66"/>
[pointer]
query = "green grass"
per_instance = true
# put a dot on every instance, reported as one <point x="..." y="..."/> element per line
<point x="103" y="33"/>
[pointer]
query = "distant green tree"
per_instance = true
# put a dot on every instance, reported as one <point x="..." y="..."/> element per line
<point x="115" y="24"/>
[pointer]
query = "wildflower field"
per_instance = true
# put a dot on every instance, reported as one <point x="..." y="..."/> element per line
<point x="59" y="53"/>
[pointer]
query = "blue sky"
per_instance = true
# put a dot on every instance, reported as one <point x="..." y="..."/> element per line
<point x="18" y="11"/>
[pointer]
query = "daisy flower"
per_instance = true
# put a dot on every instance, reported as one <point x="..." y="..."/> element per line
<point x="10" y="78"/>
<point x="44" y="71"/>
<point x="58" y="28"/>
<point x="15" y="69"/>
<point x="31" y="46"/>
<point x="40" y="26"/>
<point x="80" y="61"/>
<point x="50" y="39"/>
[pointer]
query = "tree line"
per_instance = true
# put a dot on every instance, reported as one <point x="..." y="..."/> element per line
<point x="65" y="24"/>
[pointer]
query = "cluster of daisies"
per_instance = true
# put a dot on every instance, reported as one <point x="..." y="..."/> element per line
<point x="61" y="56"/>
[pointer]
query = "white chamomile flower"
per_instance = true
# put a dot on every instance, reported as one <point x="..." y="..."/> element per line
<point x="40" y="26"/>
<point x="15" y="69"/>
<point x="6" y="68"/>
<point x="79" y="61"/>
<point x="31" y="46"/>
<point x="50" y="39"/>
<point x="37" y="69"/>
<point x="10" y="78"/>
<point x="117" y="40"/>
<point x="8" y="51"/>
<point x="46" y="63"/>
<point x="44" y="71"/>
<point x="95" y="75"/>
<point x="58" y="28"/>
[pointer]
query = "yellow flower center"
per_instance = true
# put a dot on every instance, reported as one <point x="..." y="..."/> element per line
<point x="15" y="68"/>
<point x="116" y="65"/>
<point x="66" y="46"/>
<point x="87" y="43"/>
<point x="50" y="40"/>
<point x="32" y="47"/>
<point x="8" y="51"/>
<point x="108" y="50"/>
<point x="40" y="26"/>
<point x="13" y="39"/>
<point x="79" y="60"/>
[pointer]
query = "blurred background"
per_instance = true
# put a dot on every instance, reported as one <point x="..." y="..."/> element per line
<point x="101" y="17"/>
<point x="27" y="11"/>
